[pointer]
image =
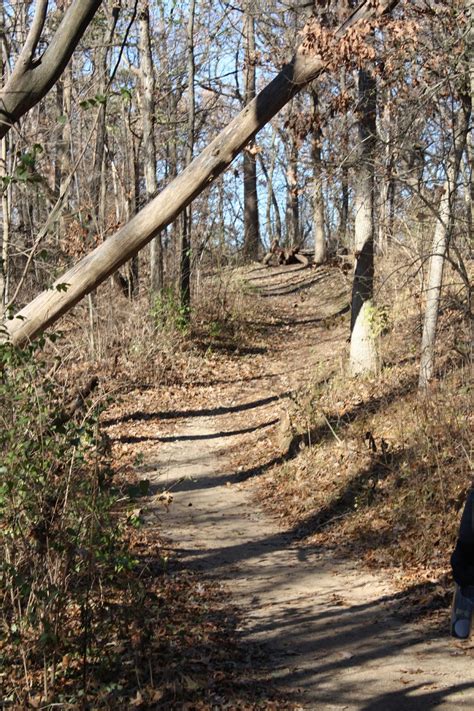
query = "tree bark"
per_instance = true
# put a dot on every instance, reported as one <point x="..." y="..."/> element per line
<point x="271" y="197"/>
<point x="93" y="269"/>
<point x="64" y="144"/>
<point x="5" y="250"/>
<point x="470" y="138"/>
<point x="363" y="352"/>
<point x="292" y="197"/>
<point x="344" y="213"/>
<point x="186" y="229"/>
<point x="33" y="76"/>
<point x="442" y="234"/>
<point x="320" y="249"/>
<point x="133" y="198"/>
<point x="5" y="192"/>
<point x="251" y="219"/>
<point x="147" y="81"/>
<point x="386" y="190"/>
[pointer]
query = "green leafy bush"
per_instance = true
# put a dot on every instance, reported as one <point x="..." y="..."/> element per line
<point x="167" y="312"/>
<point x="60" y="543"/>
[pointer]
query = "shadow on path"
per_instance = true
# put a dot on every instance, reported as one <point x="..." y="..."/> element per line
<point x="401" y="699"/>
<point x="192" y="437"/>
<point x="141" y="416"/>
<point x="209" y="482"/>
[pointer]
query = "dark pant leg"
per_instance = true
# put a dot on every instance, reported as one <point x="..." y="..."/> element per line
<point x="462" y="559"/>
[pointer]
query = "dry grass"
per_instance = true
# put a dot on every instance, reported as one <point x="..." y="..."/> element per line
<point x="137" y="343"/>
<point x="387" y="471"/>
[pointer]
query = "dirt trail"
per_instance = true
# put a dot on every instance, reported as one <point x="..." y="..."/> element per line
<point x="329" y="629"/>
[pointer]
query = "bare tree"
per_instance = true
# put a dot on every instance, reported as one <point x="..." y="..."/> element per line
<point x="251" y="221"/>
<point x="186" y="229"/>
<point x="147" y="81"/>
<point x="63" y="158"/>
<point x="98" y="181"/>
<point x="344" y="218"/>
<point x="292" y="187"/>
<point x="93" y="269"/>
<point x="363" y="355"/>
<point x="320" y="250"/>
<point x="5" y="202"/>
<point x="441" y="238"/>
<point x="273" y="233"/>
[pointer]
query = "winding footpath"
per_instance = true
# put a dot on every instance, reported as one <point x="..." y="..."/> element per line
<point x="329" y="630"/>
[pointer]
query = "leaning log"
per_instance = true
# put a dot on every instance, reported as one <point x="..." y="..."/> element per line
<point x="97" y="266"/>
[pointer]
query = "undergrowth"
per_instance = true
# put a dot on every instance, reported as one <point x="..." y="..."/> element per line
<point x="61" y="544"/>
<point x="153" y="342"/>
<point x="90" y="616"/>
<point x="382" y="471"/>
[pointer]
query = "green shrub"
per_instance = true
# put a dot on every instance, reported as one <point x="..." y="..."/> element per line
<point x="167" y="312"/>
<point x="59" y="541"/>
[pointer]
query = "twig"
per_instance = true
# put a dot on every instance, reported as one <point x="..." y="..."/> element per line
<point x="331" y="428"/>
<point x="54" y="214"/>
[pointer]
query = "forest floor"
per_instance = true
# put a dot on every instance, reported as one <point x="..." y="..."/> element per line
<point x="286" y="614"/>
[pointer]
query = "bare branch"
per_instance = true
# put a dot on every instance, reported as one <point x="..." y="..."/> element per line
<point x="31" y="80"/>
<point x="25" y="58"/>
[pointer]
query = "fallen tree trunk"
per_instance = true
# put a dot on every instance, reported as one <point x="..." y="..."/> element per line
<point x="93" y="269"/>
<point x="284" y="257"/>
<point x="301" y="259"/>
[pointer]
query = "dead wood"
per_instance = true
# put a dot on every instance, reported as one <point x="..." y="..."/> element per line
<point x="77" y="403"/>
<point x="301" y="259"/>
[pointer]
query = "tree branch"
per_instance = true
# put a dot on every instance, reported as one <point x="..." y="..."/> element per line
<point x="32" y="79"/>
<point x="25" y="58"/>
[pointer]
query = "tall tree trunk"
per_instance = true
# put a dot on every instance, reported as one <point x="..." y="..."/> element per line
<point x="5" y="188"/>
<point x="172" y="265"/>
<point x="468" y="186"/>
<point x="444" y="222"/>
<point x="470" y="138"/>
<point x="98" y="171"/>
<point x="271" y="197"/>
<point x="363" y="352"/>
<point x="186" y="230"/>
<point x="64" y="146"/>
<point x="5" y="250"/>
<point x="292" y="198"/>
<point x="320" y="250"/>
<point x="251" y="219"/>
<point x="133" y="200"/>
<point x="442" y="234"/>
<point x="344" y="224"/>
<point x="385" y="196"/>
<point x="342" y="238"/>
<point x="147" y="81"/>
